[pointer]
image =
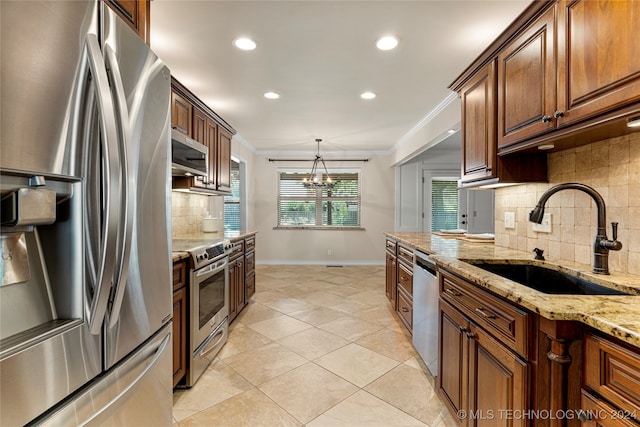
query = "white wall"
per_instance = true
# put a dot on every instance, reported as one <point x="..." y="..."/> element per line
<point x="311" y="246"/>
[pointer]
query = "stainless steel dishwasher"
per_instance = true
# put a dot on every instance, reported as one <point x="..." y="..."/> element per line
<point x="425" y="310"/>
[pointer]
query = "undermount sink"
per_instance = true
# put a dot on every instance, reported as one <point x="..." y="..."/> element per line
<point x="547" y="280"/>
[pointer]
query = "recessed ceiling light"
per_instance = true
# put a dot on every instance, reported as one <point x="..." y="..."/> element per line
<point x="368" y="95"/>
<point x="451" y="131"/>
<point x="387" y="43"/>
<point x="244" y="43"/>
<point x="272" y="95"/>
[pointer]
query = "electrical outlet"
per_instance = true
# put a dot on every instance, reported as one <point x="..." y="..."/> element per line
<point x="329" y="252"/>
<point x="545" y="226"/>
<point x="509" y="220"/>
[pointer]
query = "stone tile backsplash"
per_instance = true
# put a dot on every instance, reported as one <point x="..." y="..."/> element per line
<point x="610" y="166"/>
<point x="187" y="211"/>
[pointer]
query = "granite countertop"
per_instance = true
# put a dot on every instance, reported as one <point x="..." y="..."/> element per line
<point x="617" y="315"/>
<point x="231" y="235"/>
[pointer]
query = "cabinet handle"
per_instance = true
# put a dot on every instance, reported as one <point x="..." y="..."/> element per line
<point x="462" y="329"/>
<point x="470" y="335"/>
<point x="584" y="416"/>
<point x="452" y="293"/>
<point x="484" y="314"/>
<point x="558" y="114"/>
<point x="488" y="169"/>
<point x="546" y="119"/>
<point x="405" y="309"/>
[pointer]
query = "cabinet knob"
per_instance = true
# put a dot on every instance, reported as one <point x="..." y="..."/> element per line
<point x="470" y="335"/>
<point x="558" y="114"/>
<point x="546" y="119"/>
<point x="584" y="416"/>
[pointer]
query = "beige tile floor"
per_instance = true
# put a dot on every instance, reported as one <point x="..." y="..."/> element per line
<point x="317" y="346"/>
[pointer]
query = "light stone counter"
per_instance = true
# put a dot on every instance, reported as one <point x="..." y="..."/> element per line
<point x="616" y="315"/>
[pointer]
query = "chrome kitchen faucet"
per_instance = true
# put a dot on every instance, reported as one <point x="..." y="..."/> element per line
<point x="602" y="245"/>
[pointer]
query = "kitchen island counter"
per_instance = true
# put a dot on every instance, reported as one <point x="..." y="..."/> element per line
<point x="613" y="314"/>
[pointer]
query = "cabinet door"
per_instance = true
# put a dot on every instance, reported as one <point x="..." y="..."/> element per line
<point x="452" y="358"/>
<point x="179" y="334"/>
<point x="239" y="284"/>
<point x="250" y="287"/>
<point x="212" y="138"/>
<point x="498" y="382"/>
<point x="390" y="280"/>
<point x="598" y="57"/>
<point x="135" y="13"/>
<point x="597" y="413"/>
<point x="527" y="83"/>
<point x="233" y="279"/>
<point x="224" y="160"/>
<point x="181" y="111"/>
<point x="479" y="126"/>
<point x="199" y="133"/>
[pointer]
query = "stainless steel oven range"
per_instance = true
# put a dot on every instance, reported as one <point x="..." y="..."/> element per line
<point x="208" y="301"/>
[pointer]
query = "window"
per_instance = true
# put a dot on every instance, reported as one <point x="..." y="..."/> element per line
<point x="444" y="205"/>
<point x="324" y="208"/>
<point x="232" y="202"/>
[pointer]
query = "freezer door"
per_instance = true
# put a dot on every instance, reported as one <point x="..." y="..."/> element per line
<point x="41" y="44"/>
<point x="142" y="296"/>
<point x="137" y="392"/>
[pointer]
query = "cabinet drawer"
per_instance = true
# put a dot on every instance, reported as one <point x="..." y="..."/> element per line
<point x="600" y="414"/>
<point x="250" y="286"/>
<point x="249" y="243"/>
<point x="237" y="249"/>
<point x="613" y="372"/>
<point x="405" y="279"/>
<point x="405" y="309"/>
<point x="405" y="255"/>
<point x="250" y="261"/>
<point x="179" y="275"/>
<point x="505" y="321"/>
<point x="391" y="246"/>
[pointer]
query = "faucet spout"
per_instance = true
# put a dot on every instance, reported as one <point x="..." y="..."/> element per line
<point x="602" y="244"/>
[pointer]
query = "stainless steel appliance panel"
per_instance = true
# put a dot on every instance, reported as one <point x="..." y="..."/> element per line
<point x="209" y="300"/>
<point x="206" y="352"/>
<point x="425" y="311"/>
<point x="38" y="80"/>
<point x="136" y="392"/>
<point x="40" y="376"/>
<point x="142" y="301"/>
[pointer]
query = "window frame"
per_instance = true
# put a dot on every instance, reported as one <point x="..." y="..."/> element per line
<point x="319" y="199"/>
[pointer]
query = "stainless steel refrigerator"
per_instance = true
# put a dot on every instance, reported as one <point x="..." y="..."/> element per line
<point x="85" y="297"/>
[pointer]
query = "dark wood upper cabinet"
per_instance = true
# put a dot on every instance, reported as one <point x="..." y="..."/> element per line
<point x="181" y="114"/>
<point x="192" y="117"/>
<point x="527" y="82"/>
<point x="568" y="73"/>
<point x="136" y="13"/>
<point x="478" y="125"/>
<point x="598" y="57"/>
<point x="224" y="160"/>
<point x="212" y="142"/>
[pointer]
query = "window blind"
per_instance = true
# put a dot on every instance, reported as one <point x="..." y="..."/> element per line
<point x="232" y="202"/>
<point x="444" y="205"/>
<point x="299" y="206"/>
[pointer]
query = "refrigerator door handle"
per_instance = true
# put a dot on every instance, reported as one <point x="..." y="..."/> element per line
<point x="126" y="216"/>
<point x="132" y="384"/>
<point x="109" y="138"/>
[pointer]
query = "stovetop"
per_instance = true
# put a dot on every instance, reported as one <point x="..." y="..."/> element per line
<point x="188" y="245"/>
<point x="203" y="251"/>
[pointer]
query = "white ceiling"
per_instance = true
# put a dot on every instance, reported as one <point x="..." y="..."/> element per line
<point x="320" y="56"/>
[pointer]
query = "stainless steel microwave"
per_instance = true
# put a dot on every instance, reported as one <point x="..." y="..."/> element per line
<point x="188" y="156"/>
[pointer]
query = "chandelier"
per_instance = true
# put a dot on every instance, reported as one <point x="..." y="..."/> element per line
<point x="316" y="177"/>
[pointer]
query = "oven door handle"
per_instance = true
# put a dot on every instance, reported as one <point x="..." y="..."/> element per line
<point x="205" y="348"/>
<point x="211" y="269"/>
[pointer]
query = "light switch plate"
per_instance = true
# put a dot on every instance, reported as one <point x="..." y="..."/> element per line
<point x="545" y="227"/>
<point x="509" y="220"/>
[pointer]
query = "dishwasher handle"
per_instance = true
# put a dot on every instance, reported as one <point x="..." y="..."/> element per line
<point x="424" y="262"/>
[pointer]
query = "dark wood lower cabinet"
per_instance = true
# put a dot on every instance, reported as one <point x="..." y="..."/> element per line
<point x="236" y="280"/>
<point x="479" y="378"/>
<point x="179" y="334"/>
